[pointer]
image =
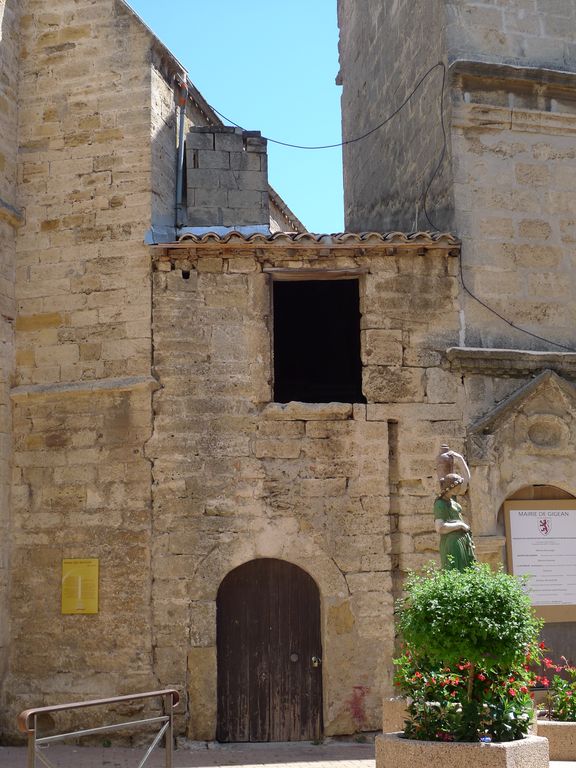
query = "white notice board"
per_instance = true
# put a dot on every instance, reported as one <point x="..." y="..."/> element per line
<point x="541" y="543"/>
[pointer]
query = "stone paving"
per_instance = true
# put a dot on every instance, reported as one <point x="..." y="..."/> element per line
<point x="201" y="755"/>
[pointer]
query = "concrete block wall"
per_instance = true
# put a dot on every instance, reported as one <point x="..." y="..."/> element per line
<point x="227" y="177"/>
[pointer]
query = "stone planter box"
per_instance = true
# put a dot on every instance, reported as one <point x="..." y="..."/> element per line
<point x="393" y="751"/>
<point x="562" y="738"/>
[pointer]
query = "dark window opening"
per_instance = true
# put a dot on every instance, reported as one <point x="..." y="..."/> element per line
<point x="317" y="341"/>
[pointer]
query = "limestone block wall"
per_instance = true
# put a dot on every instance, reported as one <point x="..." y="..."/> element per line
<point x="85" y="183"/>
<point x="516" y="210"/>
<point x="10" y="219"/>
<point x="527" y="32"/>
<point x="81" y="394"/>
<point x="164" y="146"/>
<point x="503" y="185"/>
<point x="385" y="48"/>
<point x="82" y="489"/>
<point x="245" y="205"/>
<point x="343" y="491"/>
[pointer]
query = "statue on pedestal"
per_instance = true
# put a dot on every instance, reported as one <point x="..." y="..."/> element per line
<point x="456" y="544"/>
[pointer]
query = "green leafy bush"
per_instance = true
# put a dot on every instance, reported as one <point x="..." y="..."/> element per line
<point x="470" y="637"/>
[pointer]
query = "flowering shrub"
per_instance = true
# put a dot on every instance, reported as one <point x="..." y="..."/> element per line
<point x="470" y="639"/>
<point x="499" y="709"/>
<point x="561" y="700"/>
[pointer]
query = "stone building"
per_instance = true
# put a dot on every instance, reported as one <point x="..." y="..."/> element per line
<point x="237" y="418"/>
<point x="490" y="157"/>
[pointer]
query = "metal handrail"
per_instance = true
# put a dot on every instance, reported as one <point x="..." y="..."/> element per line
<point x="27" y="723"/>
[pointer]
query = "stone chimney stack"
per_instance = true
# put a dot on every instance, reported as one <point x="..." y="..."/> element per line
<point x="227" y="178"/>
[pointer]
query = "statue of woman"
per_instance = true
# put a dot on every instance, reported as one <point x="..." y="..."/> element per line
<point x="456" y="545"/>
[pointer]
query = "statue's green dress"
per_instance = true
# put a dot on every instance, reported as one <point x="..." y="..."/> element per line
<point x="456" y="547"/>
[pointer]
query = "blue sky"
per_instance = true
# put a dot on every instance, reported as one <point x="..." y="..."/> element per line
<point x="269" y="65"/>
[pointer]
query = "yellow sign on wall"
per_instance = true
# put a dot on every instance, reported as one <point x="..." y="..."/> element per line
<point x="80" y="586"/>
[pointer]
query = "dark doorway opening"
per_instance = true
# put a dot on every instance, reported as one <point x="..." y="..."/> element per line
<point x="269" y="654"/>
<point x="317" y="341"/>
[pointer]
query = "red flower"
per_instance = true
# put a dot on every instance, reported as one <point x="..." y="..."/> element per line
<point x="418" y="674"/>
<point x="512" y="692"/>
<point x="568" y="693"/>
<point x="481" y="677"/>
<point x="548" y="663"/>
<point x="523" y="689"/>
<point x="511" y="679"/>
<point x="545" y="682"/>
<point x="542" y="645"/>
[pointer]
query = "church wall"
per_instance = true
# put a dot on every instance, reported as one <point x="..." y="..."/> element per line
<point x="516" y="210"/>
<point x="164" y="131"/>
<point x="509" y="149"/>
<point x="527" y="32"/>
<point x="385" y="48"/>
<point x="9" y="221"/>
<point x="82" y="383"/>
<point x="343" y="491"/>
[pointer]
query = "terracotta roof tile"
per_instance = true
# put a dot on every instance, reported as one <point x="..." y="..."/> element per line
<point x="341" y="238"/>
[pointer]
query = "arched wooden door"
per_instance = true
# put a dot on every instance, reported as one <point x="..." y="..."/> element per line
<point x="269" y="654"/>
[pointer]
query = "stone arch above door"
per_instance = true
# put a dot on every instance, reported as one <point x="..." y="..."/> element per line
<point x="280" y="543"/>
<point x="297" y="549"/>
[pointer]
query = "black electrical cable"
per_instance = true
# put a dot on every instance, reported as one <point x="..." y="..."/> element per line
<point x="357" y="138"/>
<point x="390" y="117"/>
<point x="444" y="147"/>
<point x="461" y="264"/>
<point x="508" y="322"/>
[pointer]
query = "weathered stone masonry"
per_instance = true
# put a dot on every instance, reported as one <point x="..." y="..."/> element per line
<point x="87" y="168"/>
<point x="10" y="219"/>
<point x="504" y="185"/>
<point x="237" y="476"/>
<point x="505" y="188"/>
<point x="143" y="423"/>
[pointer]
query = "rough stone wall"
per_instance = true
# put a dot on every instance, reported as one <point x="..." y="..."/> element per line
<point x="9" y="220"/>
<point x="82" y="402"/>
<point x="342" y="491"/>
<point x="527" y="32"/>
<point x="382" y="57"/>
